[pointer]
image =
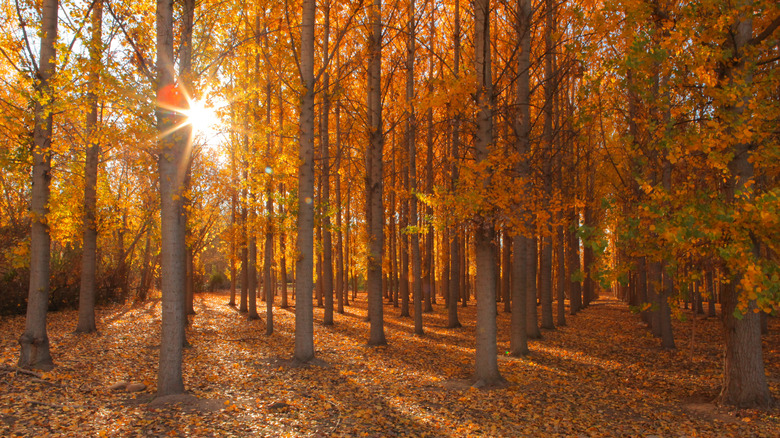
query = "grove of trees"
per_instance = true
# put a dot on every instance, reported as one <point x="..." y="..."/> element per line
<point x="521" y="156"/>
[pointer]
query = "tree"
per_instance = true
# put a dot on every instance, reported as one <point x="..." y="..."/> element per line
<point x="411" y="126"/>
<point x="304" y="265"/>
<point x="34" y="342"/>
<point x="374" y="206"/>
<point x="744" y="379"/>
<point x="86" y="323"/>
<point x="327" y="241"/>
<point x="521" y="245"/>
<point x="172" y="163"/>
<point x="486" y="363"/>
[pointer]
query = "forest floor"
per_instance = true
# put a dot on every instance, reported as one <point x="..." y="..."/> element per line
<point x="601" y="375"/>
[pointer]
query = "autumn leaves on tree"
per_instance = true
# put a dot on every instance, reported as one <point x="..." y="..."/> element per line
<point x="529" y="156"/>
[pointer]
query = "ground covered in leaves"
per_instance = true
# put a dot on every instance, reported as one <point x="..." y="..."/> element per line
<point x="602" y="375"/>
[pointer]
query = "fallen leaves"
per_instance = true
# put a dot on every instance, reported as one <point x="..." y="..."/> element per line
<point x="600" y="376"/>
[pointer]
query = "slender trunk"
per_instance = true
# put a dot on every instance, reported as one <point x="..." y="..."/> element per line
<point x="506" y="271"/>
<point x="545" y="283"/>
<point x="252" y="259"/>
<point x="172" y="161"/>
<point x="86" y="322"/>
<point x="574" y="267"/>
<point x="233" y="221"/>
<point x="532" y="318"/>
<point x="282" y="215"/>
<point x="410" y="140"/>
<point x="486" y="359"/>
<point x="560" y="275"/>
<point x="519" y="338"/>
<point x="327" y="239"/>
<point x="455" y="266"/>
<point x="339" y="279"/>
<point x="268" y="250"/>
<point x="374" y="207"/>
<point x="243" y="305"/>
<point x="304" y="265"/>
<point x="143" y="284"/>
<point x="34" y="342"/>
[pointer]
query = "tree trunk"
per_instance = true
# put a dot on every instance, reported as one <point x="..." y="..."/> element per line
<point x="304" y="265"/>
<point x="574" y="266"/>
<point x="374" y="207"/>
<point x="667" y="336"/>
<point x="268" y="250"/>
<point x="545" y="283"/>
<point x="327" y="240"/>
<point x="506" y="270"/>
<point x="411" y="144"/>
<point x="86" y="323"/>
<point x="34" y="342"/>
<point x="252" y="258"/>
<point x="532" y="319"/>
<point x="172" y="162"/>
<point x="519" y="339"/>
<point x="560" y="275"/>
<point x="486" y="361"/>
<point x="339" y="279"/>
<point x="455" y="267"/>
<point x="744" y="379"/>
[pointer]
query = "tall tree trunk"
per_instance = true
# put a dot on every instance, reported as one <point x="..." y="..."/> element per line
<point x="522" y="260"/>
<point x="283" y="253"/>
<point x="404" y="225"/>
<point x="34" y="342"/>
<point x="560" y="275"/>
<point x="486" y="360"/>
<point x="506" y="270"/>
<point x="86" y="323"/>
<point x="374" y="207"/>
<point x="411" y="145"/>
<point x="282" y="215"/>
<point x="339" y="278"/>
<point x="268" y="251"/>
<point x="252" y="258"/>
<point x="545" y="281"/>
<point x="146" y="269"/>
<point x="574" y="268"/>
<point x="172" y="161"/>
<point x="588" y="290"/>
<point x="429" y="270"/>
<point x="532" y="318"/>
<point x="744" y="378"/>
<point x="327" y="240"/>
<point x="304" y="265"/>
<point x="243" y="299"/>
<point x="455" y="267"/>
<point x="233" y="221"/>
<point x="519" y="338"/>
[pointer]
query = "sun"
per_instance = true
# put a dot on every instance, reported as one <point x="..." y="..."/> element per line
<point x="202" y="117"/>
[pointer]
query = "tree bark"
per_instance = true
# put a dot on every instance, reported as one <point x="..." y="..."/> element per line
<point x="304" y="265"/>
<point x="34" y="342"/>
<point x="486" y="371"/>
<point x="268" y="249"/>
<point x="86" y="322"/>
<point x="327" y="239"/>
<point x="744" y="378"/>
<point x="172" y="159"/>
<point x="455" y="267"/>
<point x="374" y="207"/>
<point x="411" y="144"/>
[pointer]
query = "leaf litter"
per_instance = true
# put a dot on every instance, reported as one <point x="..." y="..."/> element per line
<point x="602" y="375"/>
